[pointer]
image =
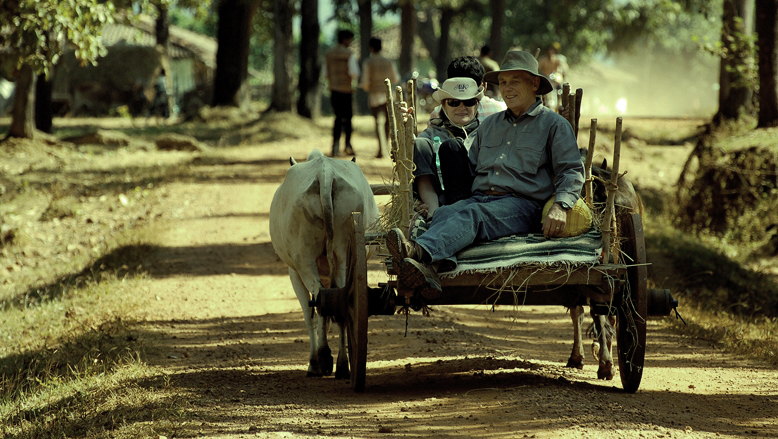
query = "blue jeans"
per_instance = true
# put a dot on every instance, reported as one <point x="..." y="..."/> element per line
<point x="478" y="218"/>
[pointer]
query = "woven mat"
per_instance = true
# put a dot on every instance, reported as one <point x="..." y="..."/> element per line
<point x="522" y="250"/>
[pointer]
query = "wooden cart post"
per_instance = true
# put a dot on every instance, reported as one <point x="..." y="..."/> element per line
<point x="394" y="120"/>
<point x="412" y="98"/>
<point x="577" y="106"/>
<point x="609" y="220"/>
<point x="588" y="164"/>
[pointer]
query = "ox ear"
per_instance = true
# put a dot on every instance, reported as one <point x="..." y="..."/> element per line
<point x="292" y="161"/>
<point x="354" y="159"/>
<point x="604" y="164"/>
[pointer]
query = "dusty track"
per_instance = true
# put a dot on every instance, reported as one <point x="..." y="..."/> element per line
<point x="223" y="323"/>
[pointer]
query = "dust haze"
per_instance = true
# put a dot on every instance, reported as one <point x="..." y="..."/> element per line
<point x="649" y="83"/>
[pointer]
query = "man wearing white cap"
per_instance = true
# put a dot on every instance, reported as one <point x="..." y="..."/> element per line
<point x="521" y="158"/>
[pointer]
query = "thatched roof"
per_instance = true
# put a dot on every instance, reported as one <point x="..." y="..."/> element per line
<point x="139" y="31"/>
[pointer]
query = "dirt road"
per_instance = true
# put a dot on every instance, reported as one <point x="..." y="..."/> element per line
<point x="224" y="324"/>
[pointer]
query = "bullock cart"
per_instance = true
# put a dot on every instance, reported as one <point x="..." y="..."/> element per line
<point x="613" y="285"/>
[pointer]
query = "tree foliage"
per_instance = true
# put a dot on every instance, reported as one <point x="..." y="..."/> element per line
<point x="37" y="31"/>
<point x="585" y="28"/>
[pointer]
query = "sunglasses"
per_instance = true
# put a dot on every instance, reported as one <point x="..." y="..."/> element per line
<point x="455" y="102"/>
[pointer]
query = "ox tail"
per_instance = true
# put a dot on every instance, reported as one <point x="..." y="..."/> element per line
<point x="328" y="213"/>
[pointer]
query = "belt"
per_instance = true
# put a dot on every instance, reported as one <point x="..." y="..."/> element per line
<point x="497" y="193"/>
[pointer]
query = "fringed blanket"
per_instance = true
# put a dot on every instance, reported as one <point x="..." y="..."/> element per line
<point x="533" y="249"/>
<point x="512" y="251"/>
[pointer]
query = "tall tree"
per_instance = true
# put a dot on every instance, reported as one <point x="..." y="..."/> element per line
<point x="365" y="13"/>
<point x="407" y="34"/>
<point x="310" y="69"/>
<point x="162" y="23"/>
<point x="495" y="32"/>
<point x="766" y="22"/>
<point x="283" y="59"/>
<point x="27" y="25"/>
<point x="43" y="110"/>
<point x="230" y="85"/>
<point x="437" y="43"/>
<point x="734" y="90"/>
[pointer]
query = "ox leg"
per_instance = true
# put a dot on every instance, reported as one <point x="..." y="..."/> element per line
<point x="324" y="353"/>
<point x="341" y="250"/>
<point x="318" y="356"/>
<point x="576" y="359"/>
<point x="342" y="369"/>
<point x="603" y="335"/>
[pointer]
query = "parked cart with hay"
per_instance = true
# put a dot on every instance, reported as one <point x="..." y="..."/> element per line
<point x="604" y="268"/>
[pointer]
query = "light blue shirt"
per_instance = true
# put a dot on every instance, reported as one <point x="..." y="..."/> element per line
<point x="534" y="156"/>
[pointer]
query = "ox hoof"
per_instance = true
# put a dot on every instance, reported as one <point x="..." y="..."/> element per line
<point x="321" y="364"/>
<point x="578" y="364"/>
<point x="605" y="372"/>
<point x="342" y="374"/>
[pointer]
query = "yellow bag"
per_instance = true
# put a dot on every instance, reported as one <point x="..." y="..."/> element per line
<point x="579" y="218"/>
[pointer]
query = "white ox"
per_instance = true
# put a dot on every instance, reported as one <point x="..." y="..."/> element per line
<point x="309" y="229"/>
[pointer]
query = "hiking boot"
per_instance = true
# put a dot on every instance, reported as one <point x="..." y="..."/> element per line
<point x="400" y="248"/>
<point x="416" y="275"/>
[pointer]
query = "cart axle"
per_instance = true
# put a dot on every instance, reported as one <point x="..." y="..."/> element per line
<point x="660" y="302"/>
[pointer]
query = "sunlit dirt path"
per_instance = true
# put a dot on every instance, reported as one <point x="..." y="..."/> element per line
<point x="223" y="323"/>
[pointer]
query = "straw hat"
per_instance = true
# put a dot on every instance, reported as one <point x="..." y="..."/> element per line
<point x="579" y="218"/>
<point x="520" y="60"/>
<point x="458" y="88"/>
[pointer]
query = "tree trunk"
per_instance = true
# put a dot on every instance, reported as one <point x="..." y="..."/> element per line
<point x="162" y="25"/>
<point x="309" y="101"/>
<point x="43" y="111"/>
<point x="23" y="111"/>
<point x="495" y="35"/>
<point x="283" y="57"/>
<point x="437" y="45"/>
<point x="766" y="22"/>
<point x="443" y="57"/>
<point x="407" y="35"/>
<point x="734" y="93"/>
<point x="365" y="32"/>
<point x="230" y="85"/>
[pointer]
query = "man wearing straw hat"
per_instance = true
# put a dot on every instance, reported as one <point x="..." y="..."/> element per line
<point x="521" y="157"/>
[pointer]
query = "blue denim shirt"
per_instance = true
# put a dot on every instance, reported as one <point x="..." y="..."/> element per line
<point x="534" y="156"/>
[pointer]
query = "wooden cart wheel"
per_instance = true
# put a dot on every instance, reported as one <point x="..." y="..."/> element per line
<point x="632" y="313"/>
<point x="356" y="319"/>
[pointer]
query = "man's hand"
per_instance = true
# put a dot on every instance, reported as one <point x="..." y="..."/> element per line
<point x="405" y="112"/>
<point x="554" y="222"/>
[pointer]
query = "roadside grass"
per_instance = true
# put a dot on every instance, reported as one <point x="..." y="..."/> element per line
<point x="72" y="364"/>
<point x="71" y="266"/>
<point x="721" y="299"/>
